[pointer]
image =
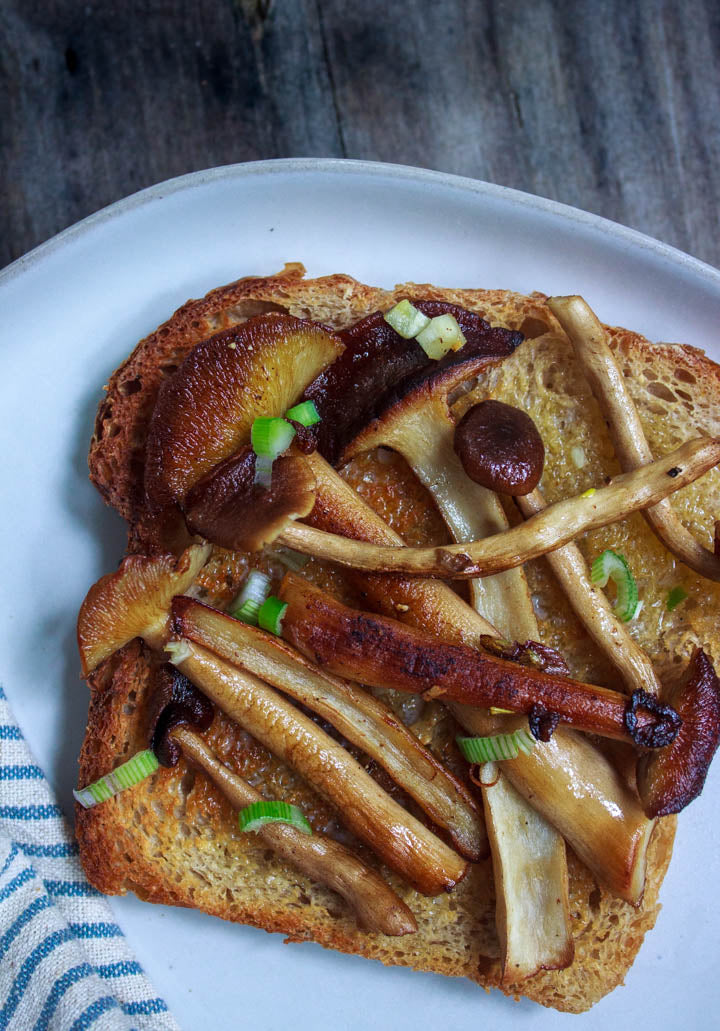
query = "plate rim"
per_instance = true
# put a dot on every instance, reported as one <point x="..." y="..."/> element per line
<point x="374" y="169"/>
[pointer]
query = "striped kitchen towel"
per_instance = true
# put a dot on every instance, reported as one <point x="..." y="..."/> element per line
<point x="64" y="962"/>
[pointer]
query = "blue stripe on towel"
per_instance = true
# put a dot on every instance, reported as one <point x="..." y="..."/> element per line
<point x="25" y="917"/>
<point x="30" y="812"/>
<point x="94" y="1011"/>
<point x="18" y="772"/>
<point x="68" y="979"/>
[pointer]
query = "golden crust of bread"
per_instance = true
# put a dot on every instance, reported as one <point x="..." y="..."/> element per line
<point x="174" y="839"/>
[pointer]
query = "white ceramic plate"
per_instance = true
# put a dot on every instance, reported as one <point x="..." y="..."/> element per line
<point x="74" y="308"/>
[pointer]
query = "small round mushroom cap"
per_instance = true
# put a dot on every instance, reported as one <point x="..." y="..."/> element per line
<point x="500" y="447"/>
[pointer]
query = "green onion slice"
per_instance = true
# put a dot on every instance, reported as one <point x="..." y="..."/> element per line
<point x="271" y="614"/>
<point x="676" y="597"/>
<point x="496" y="748"/>
<point x="269" y="438"/>
<point x="442" y="334"/>
<point x="259" y="814"/>
<point x="611" y="566"/>
<point x="247" y="604"/>
<point x="126" y="776"/>
<point x="305" y="413"/>
<point x="406" y="319"/>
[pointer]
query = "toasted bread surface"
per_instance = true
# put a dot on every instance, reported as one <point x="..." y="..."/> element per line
<point x="174" y="839"/>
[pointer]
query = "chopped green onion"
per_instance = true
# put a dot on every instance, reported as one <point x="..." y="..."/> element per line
<point x="178" y="651"/>
<point x="496" y="748"/>
<point x="269" y="438"/>
<point x="495" y="711"/>
<point x="442" y="334"/>
<point x="588" y="493"/>
<point x="611" y="566"/>
<point x="271" y="614"/>
<point x="247" y="604"/>
<point x="676" y="597"/>
<point x="305" y="413"/>
<point x="259" y="814"/>
<point x="406" y="319"/>
<point x="126" y="776"/>
<point x="577" y="454"/>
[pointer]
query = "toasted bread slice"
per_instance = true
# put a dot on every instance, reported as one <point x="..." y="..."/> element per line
<point x="174" y="839"/>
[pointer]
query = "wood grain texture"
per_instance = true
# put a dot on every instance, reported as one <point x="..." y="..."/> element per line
<point x="612" y="107"/>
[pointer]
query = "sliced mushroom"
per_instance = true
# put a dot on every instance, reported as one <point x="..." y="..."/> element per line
<point x="558" y="524"/>
<point x="228" y="508"/>
<point x="631" y="447"/>
<point x="675" y="776"/>
<point x="543" y="777"/>
<point x="531" y="882"/>
<point x="204" y="412"/>
<point x="385" y="653"/>
<point x="376" y="905"/>
<point x="134" y="602"/>
<point x="361" y="718"/>
<point x="402" y="842"/>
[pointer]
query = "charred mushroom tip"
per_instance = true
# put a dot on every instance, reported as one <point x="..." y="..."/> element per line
<point x="175" y="701"/>
<point x="670" y="778"/>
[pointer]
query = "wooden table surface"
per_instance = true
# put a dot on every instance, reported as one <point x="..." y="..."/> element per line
<point x="609" y="105"/>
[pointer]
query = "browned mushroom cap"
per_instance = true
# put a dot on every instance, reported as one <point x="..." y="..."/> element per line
<point x="500" y="447"/>
<point x="228" y="508"/>
<point x="361" y="382"/>
<point x="672" y="778"/>
<point x="174" y="702"/>
<point x="205" y="411"/>
<point x="134" y="601"/>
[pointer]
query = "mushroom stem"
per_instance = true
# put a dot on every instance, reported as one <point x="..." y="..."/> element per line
<point x="594" y="610"/>
<point x="580" y="793"/>
<point x="357" y="715"/>
<point x="402" y="842"/>
<point x="631" y="447"/>
<point x="558" y="524"/>
<point x="531" y="882"/>
<point x="376" y="905"/>
<point x="384" y="653"/>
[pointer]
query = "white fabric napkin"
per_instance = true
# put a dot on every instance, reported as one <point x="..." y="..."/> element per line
<point x="64" y="962"/>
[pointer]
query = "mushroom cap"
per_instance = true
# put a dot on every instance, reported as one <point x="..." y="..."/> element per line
<point x="133" y="602"/>
<point x="228" y="508"/>
<point x="500" y="447"/>
<point x="418" y="393"/>
<point x="204" y="412"/>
